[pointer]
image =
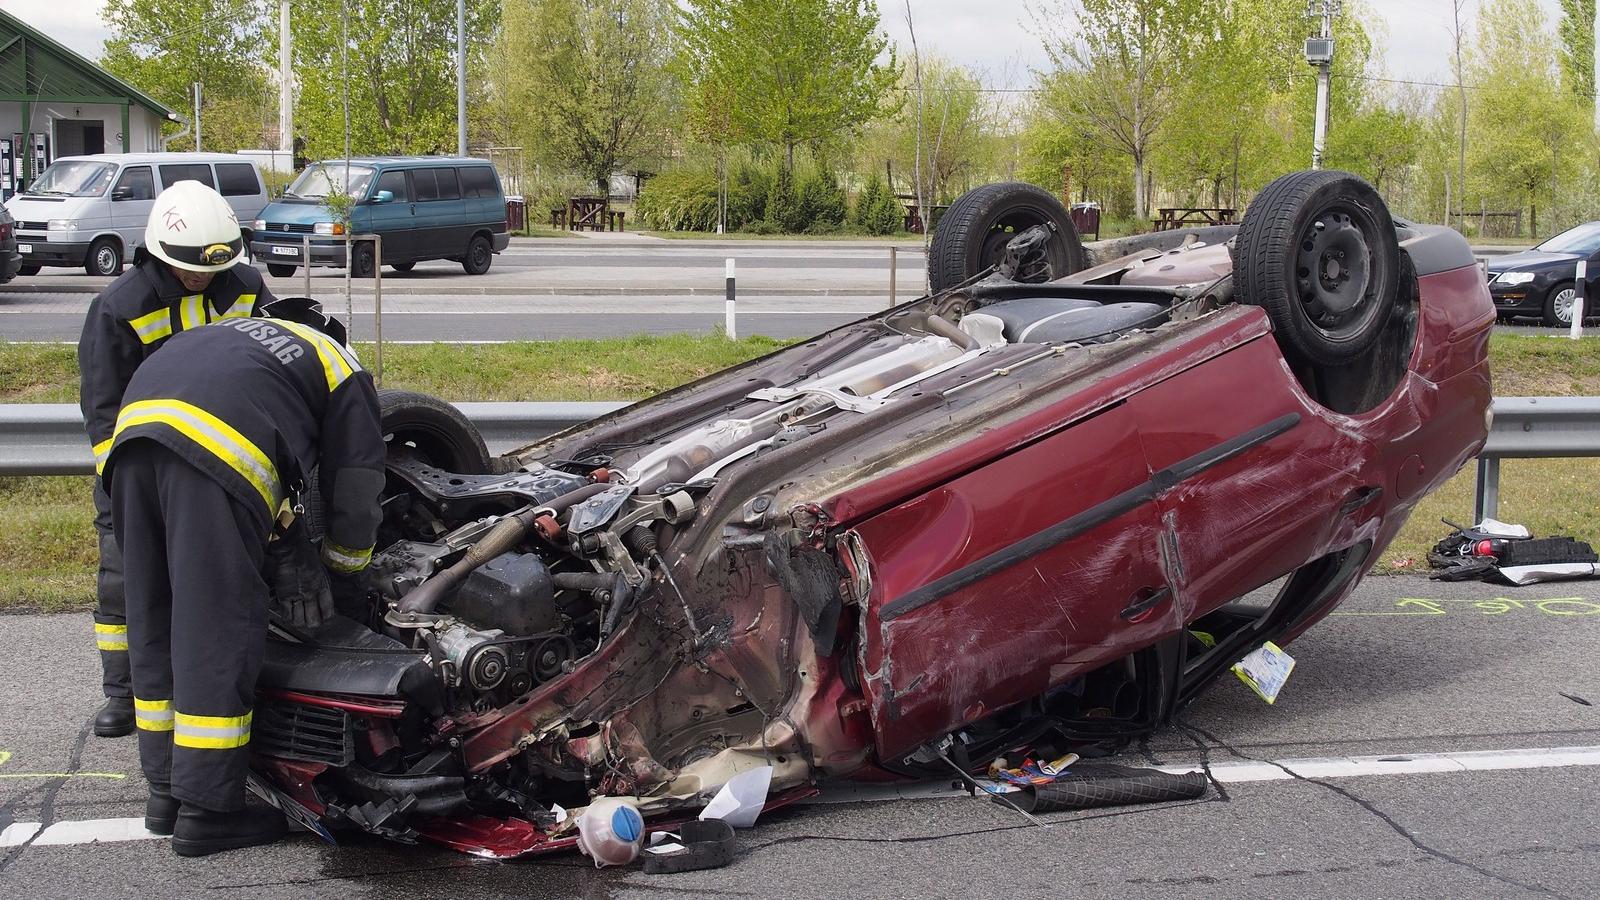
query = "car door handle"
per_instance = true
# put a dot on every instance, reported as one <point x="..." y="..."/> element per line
<point x="1144" y="601"/>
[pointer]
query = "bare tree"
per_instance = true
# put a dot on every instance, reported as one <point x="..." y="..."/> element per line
<point x="1456" y="35"/>
<point x="916" y="173"/>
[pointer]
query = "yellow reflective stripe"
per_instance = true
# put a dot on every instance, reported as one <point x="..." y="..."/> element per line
<point x="152" y="715"/>
<point x="242" y="308"/>
<point x="192" y="311"/>
<point x="211" y="732"/>
<point x="101" y="451"/>
<point x="152" y="327"/>
<point x="337" y="364"/>
<point x="214" y="435"/>
<point x="344" y="559"/>
<point x="110" y="637"/>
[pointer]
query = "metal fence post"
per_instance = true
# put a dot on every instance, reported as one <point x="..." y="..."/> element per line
<point x="305" y="260"/>
<point x="1486" y="493"/>
<point x="377" y="309"/>
<point x="893" y="266"/>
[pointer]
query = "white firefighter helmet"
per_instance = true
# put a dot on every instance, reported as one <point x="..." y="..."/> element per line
<point x="193" y="228"/>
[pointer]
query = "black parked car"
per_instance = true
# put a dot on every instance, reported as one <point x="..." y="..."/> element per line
<point x="10" y="259"/>
<point x="1539" y="283"/>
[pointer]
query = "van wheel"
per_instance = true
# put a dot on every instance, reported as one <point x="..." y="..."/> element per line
<point x="479" y="255"/>
<point x="280" y="270"/>
<point x="105" y="258"/>
<point x="1317" y="251"/>
<point x="361" y="265"/>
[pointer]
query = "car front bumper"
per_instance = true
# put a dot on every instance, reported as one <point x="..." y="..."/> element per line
<point x="41" y="251"/>
<point x="290" y="251"/>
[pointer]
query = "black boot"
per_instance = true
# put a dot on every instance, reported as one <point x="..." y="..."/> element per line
<point x="115" y="719"/>
<point x="201" y="832"/>
<point x="160" y="812"/>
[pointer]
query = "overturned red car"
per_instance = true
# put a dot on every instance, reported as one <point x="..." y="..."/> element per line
<point x="994" y="516"/>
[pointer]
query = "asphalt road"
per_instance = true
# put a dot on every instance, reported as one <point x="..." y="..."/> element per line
<point x="1390" y="677"/>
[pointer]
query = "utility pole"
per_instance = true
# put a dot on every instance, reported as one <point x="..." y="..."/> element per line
<point x="197" y="117"/>
<point x="461" y="78"/>
<point x="285" y="84"/>
<point x="1319" y="53"/>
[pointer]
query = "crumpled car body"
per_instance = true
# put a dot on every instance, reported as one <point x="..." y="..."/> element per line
<point x="906" y="545"/>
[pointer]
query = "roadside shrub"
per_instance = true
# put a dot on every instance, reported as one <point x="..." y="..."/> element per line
<point x="680" y="200"/>
<point x="783" y="208"/>
<point x="876" y="210"/>
<point x="820" y="203"/>
<point x="748" y="187"/>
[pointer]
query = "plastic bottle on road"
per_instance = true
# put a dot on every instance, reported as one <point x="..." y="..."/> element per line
<point x="611" y="831"/>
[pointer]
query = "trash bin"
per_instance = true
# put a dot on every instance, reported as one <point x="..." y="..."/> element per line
<point x="516" y="214"/>
<point x="1086" y="218"/>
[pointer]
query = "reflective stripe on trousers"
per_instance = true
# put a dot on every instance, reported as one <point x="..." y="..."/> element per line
<point x="211" y="732"/>
<point x="110" y="637"/>
<point x="152" y="715"/>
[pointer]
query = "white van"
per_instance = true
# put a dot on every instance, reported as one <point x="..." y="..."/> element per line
<point x="90" y="211"/>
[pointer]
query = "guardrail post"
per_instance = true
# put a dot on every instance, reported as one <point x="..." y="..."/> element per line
<point x="1580" y="287"/>
<point x="1486" y="493"/>
<point x="728" y="323"/>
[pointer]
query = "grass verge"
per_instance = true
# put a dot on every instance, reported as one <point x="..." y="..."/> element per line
<point x="897" y="238"/>
<point x="47" y="554"/>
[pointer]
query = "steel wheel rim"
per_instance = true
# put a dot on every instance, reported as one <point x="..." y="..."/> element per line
<point x="1562" y="305"/>
<point x="105" y="260"/>
<point x="480" y="254"/>
<point x="1334" y="274"/>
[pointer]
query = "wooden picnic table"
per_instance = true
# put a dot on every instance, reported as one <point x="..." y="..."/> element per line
<point x="592" y="213"/>
<point x="1170" y="217"/>
<point x="913" y="219"/>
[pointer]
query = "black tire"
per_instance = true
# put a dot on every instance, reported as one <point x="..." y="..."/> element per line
<point x="973" y="233"/>
<point x="26" y="269"/>
<point x="440" y="435"/>
<point x="1560" y="296"/>
<point x="281" y="270"/>
<point x="362" y="263"/>
<point x="480" y="253"/>
<point x="403" y="267"/>
<point x="104" y="258"/>
<point x="1317" y="250"/>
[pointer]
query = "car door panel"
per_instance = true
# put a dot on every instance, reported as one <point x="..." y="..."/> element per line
<point x="1020" y="575"/>
<point x="394" y="221"/>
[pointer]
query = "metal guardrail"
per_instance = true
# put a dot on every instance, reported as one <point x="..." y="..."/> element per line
<point x="47" y="438"/>
<point x="1533" y="428"/>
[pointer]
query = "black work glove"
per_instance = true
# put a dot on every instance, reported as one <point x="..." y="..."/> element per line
<point x="350" y="596"/>
<point x="300" y="590"/>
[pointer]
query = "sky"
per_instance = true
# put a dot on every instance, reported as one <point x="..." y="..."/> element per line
<point x="993" y="37"/>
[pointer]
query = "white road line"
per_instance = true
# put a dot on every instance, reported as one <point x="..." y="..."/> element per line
<point x="91" y="831"/>
<point x="1317" y="767"/>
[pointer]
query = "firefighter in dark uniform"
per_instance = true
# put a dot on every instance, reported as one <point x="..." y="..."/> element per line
<point x="214" y="437"/>
<point x="172" y="287"/>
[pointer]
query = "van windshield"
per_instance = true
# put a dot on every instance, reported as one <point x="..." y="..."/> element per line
<point x="322" y="179"/>
<point x="74" y="178"/>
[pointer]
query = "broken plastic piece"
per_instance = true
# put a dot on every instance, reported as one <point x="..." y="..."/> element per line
<point x="1265" y="670"/>
<point x="706" y="844"/>
<point x="741" y="799"/>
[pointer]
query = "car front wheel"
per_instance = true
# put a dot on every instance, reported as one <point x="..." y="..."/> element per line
<point x="105" y="258"/>
<point x="479" y="255"/>
<point x="280" y="270"/>
<point x="1558" y="306"/>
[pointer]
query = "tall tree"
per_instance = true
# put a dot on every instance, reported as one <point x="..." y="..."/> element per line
<point x="166" y="46"/>
<point x="788" y="73"/>
<point x="1576" y="33"/>
<point x="589" y="79"/>
<point x="401" y="63"/>
<point x="1137" y="55"/>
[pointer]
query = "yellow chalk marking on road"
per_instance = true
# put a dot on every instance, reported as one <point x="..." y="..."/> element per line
<point x="1498" y="606"/>
<point x="5" y="756"/>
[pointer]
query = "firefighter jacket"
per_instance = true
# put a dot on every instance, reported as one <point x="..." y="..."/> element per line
<point x="258" y="404"/>
<point x="133" y="317"/>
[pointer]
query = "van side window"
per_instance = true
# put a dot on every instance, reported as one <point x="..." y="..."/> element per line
<point x="449" y="187"/>
<point x="393" y="181"/>
<point x="136" y="183"/>
<point x="237" y="180"/>
<point x="478" y="181"/>
<point x="426" y="184"/>
<point x="172" y="173"/>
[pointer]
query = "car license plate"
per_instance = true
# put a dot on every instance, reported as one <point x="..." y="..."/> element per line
<point x="285" y="251"/>
<point x="24" y="248"/>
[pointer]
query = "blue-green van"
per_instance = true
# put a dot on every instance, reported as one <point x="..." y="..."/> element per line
<point x="423" y="207"/>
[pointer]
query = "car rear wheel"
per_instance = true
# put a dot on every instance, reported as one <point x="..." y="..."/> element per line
<point x="27" y="270"/>
<point x="973" y="233"/>
<point x="403" y="267"/>
<point x="479" y="255"/>
<point x="1317" y="250"/>
<point x="281" y="270"/>
<point x="1558" y="305"/>
<point x="105" y="258"/>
